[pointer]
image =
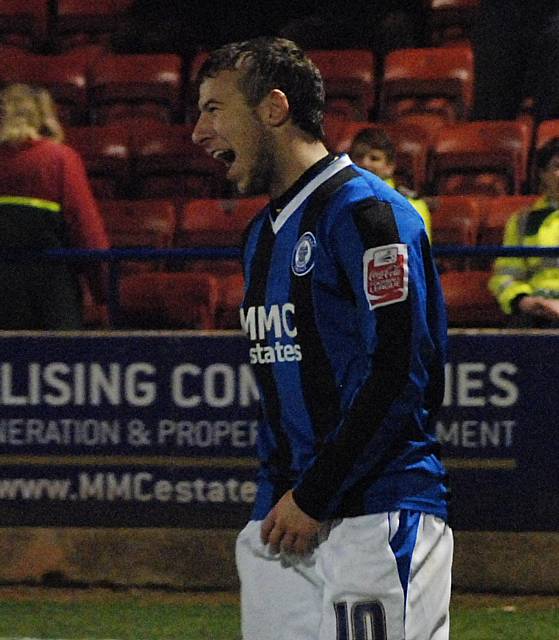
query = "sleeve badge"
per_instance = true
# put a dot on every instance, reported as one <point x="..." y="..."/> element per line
<point x="385" y="274"/>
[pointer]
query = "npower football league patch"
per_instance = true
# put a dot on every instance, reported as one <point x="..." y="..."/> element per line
<point x="385" y="274"/>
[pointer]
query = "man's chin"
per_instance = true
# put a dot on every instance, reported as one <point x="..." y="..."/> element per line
<point x="248" y="189"/>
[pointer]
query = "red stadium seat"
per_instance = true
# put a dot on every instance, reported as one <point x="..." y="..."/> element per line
<point x="168" y="164"/>
<point x="449" y="22"/>
<point x="66" y="79"/>
<point x="468" y="300"/>
<point x="212" y="222"/>
<point x="15" y="64"/>
<point x="139" y="223"/>
<point x="484" y="158"/>
<point x="412" y="142"/>
<point x="436" y="81"/>
<point x="105" y="150"/>
<point x="465" y="220"/>
<point x="137" y="85"/>
<point x="495" y="213"/>
<point x="168" y="301"/>
<point x="65" y="76"/>
<point x="546" y="130"/>
<point x="455" y="220"/>
<point x="78" y="22"/>
<point x="349" y="81"/>
<point x="231" y="292"/>
<point x="24" y="23"/>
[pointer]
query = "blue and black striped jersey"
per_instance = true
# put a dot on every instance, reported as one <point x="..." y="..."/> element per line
<point x="347" y="329"/>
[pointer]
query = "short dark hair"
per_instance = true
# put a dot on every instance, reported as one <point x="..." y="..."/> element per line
<point x="274" y="63"/>
<point x="374" y="138"/>
<point x="545" y="154"/>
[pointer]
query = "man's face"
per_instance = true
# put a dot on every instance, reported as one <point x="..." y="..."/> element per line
<point x="550" y="178"/>
<point x="374" y="160"/>
<point x="232" y="131"/>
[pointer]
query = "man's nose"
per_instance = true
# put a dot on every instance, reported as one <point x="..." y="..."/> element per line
<point x="201" y="130"/>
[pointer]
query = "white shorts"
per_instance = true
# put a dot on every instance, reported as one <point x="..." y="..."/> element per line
<point x="384" y="576"/>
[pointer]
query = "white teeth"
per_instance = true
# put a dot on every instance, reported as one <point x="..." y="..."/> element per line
<point x="225" y="155"/>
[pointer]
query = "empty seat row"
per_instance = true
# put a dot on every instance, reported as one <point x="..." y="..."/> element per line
<point x="203" y="300"/>
<point x="201" y="222"/>
<point x="433" y="80"/>
<point x="170" y="300"/>
<point x="198" y="294"/>
<point x="67" y="22"/>
<point x="208" y="222"/>
<point x="156" y="294"/>
<point x="89" y="85"/>
<point x="145" y="158"/>
<point x="487" y="158"/>
<point x="471" y="221"/>
<point x="32" y="23"/>
<point x="93" y="85"/>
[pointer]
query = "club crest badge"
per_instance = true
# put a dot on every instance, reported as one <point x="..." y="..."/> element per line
<point x="302" y="259"/>
<point x="385" y="274"/>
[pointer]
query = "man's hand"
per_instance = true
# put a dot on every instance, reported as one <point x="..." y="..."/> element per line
<point x="540" y="307"/>
<point x="288" y="528"/>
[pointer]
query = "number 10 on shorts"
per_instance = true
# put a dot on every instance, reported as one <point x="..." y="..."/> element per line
<point x="364" y="621"/>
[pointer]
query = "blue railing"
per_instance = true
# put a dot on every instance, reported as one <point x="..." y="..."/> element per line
<point x="114" y="257"/>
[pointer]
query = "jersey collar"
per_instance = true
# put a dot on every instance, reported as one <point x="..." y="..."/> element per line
<point x="333" y="168"/>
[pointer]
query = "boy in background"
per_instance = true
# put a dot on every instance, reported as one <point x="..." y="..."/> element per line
<point x="372" y="149"/>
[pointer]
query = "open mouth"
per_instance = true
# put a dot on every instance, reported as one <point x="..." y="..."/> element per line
<point x="227" y="156"/>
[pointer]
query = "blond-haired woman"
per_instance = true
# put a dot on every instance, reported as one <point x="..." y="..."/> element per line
<point x="45" y="202"/>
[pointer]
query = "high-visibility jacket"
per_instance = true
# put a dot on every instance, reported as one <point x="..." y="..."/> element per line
<point x="418" y="204"/>
<point x="534" y="276"/>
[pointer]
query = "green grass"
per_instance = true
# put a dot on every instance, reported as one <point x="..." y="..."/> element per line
<point x="500" y="625"/>
<point x="123" y="620"/>
<point x="156" y="616"/>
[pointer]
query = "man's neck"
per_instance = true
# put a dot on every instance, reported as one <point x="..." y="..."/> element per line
<point x="277" y="204"/>
<point x="291" y="163"/>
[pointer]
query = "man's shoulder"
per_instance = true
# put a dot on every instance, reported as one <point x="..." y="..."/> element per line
<point x="366" y="186"/>
<point x="363" y="185"/>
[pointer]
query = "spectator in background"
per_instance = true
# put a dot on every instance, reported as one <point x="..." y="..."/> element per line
<point x="50" y="124"/>
<point x="45" y="202"/>
<point x="372" y="149"/>
<point x="516" y="52"/>
<point x="527" y="289"/>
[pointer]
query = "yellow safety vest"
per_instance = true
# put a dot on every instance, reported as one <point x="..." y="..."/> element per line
<point x="419" y="205"/>
<point x="536" y="276"/>
<point x="37" y="203"/>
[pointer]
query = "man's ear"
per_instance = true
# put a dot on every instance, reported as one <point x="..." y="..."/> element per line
<point x="274" y="108"/>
